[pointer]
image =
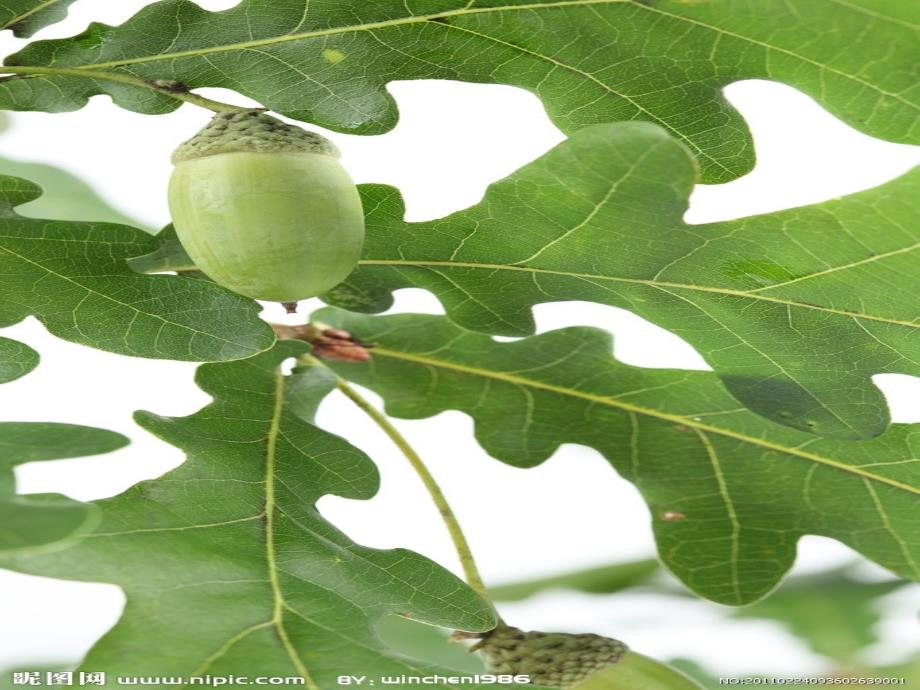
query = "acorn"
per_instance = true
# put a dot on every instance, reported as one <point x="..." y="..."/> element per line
<point x="577" y="662"/>
<point x="264" y="208"/>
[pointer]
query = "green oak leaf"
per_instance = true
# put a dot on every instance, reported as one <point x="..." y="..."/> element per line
<point x="227" y="565"/>
<point x="41" y="520"/>
<point x="16" y="359"/>
<point x="74" y="277"/>
<point x="590" y="61"/>
<point x="730" y="492"/>
<point x="795" y="310"/>
<point x="25" y="17"/>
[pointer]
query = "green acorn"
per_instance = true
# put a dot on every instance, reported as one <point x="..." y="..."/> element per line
<point x="265" y="208"/>
<point x="576" y="662"/>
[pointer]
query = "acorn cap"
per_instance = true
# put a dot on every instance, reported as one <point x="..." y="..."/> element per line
<point x="251" y="131"/>
<point x="556" y="660"/>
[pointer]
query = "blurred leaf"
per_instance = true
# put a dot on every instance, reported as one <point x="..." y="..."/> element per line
<point x="795" y="310"/>
<point x="66" y="197"/>
<point x="426" y="642"/>
<point x="25" y="17"/>
<point x="833" y="613"/>
<point x="38" y="521"/>
<point x="662" y="61"/>
<point x="228" y="567"/>
<point x="910" y="673"/>
<point x="730" y="493"/>
<point x="74" y="278"/>
<point x="600" y="580"/>
<point x="699" y="673"/>
<point x="636" y="671"/>
<point x="27" y="522"/>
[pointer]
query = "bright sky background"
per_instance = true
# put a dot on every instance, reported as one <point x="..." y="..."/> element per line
<point x="453" y="139"/>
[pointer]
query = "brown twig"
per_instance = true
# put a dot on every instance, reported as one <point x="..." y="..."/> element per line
<point x="328" y="343"/>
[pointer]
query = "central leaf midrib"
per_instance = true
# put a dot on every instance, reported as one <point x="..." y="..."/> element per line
<point x="332" y="31"/>
<point x="425" y="263"/>
<point x="688" y="422"/>
<point x="278" y="603"/>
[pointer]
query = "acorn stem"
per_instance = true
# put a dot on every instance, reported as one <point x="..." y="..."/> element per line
<point x="167" y="88"/>
<point x="457" y="536"/>
<point x="462" y="546"/>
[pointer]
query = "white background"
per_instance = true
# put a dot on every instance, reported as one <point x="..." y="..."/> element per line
<point x="573" y="511"/>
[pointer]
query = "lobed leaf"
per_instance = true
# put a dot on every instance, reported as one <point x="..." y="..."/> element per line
<point x="228" y="567"/>
<point x="730" y="493"/>
<point x="74" y="277"/>
<point x="795" y="310"/>
<point x="590" y="61"/>
<point x="29" y="522"/>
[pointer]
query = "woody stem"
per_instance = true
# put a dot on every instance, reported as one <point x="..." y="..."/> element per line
<point x="462" y="546"/>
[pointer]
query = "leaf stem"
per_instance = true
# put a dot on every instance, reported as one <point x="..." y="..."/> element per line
<point x="169" y="88"/>
<point x="462" y="546"/>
